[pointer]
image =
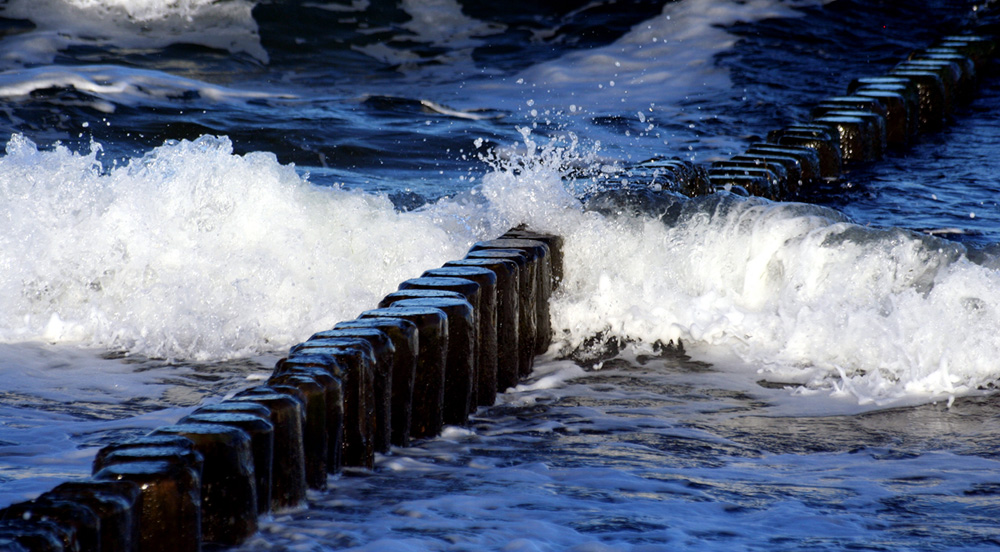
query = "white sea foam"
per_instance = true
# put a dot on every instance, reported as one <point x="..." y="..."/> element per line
<point x="809" y="297"/>
<point x="112" y="85"/>
<point x="438" y="22"/>
<point x="194" y="252"/>
<point x="138" y="24"/>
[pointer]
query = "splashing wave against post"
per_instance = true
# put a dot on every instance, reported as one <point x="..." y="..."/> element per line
<point x="748" y="253"/>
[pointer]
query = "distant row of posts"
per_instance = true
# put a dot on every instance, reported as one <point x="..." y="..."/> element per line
<point x="875" y="116"/>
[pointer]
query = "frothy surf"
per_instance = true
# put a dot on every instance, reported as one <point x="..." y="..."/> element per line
<point x="61" y="24"/>
<point x="143" y="277"/>
<point x="192" y="252"/>
<point x="810" y="297"/>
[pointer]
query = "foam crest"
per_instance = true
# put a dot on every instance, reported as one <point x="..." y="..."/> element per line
<point x="797" y="290"/>
<point x="60" y="24"/>
<point x="111" y="85"/>
<point x="880" y="314"/>
<point x="193" y="252"/>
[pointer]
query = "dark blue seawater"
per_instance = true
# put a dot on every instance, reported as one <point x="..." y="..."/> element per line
<point x="191" y="187"/>
<point x="393" y="97"/>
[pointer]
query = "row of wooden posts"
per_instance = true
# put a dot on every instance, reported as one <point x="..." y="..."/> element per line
<point x="433" y="351"/>
<point x="429" y="355"/>
<point x="874" y="116"/>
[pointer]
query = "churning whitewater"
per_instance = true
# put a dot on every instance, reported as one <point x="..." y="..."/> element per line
<point x="193" y="252"/>
<point x="191" y="187"/>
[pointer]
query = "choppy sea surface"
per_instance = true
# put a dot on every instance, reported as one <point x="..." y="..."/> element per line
<point x="190" y="187"/>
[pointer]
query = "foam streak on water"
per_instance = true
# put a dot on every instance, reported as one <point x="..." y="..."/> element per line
<point x="688" y="33"/>
<point x="115" y="85"/>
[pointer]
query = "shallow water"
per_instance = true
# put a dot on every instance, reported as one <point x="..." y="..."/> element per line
<point x="191" y="188"/>
<point x="662" y="452"/>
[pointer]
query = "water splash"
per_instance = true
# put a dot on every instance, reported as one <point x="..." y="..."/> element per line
<point x="194" y="252"/>
<point x="191" y="251"/>
<point x="799" y="291"/>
